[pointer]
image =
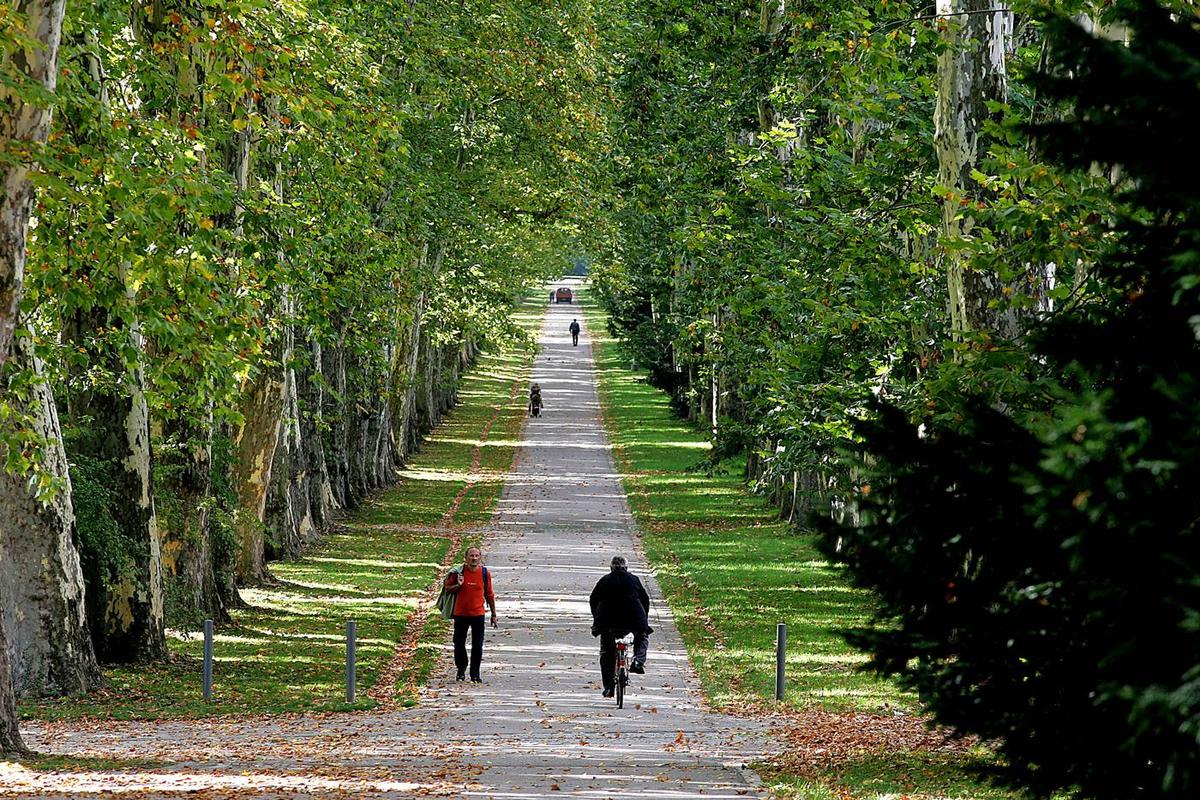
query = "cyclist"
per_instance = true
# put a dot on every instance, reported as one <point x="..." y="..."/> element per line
<point x="619" y="607"/>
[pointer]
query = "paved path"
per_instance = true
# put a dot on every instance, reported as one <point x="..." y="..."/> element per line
<point x="536" y="727"/>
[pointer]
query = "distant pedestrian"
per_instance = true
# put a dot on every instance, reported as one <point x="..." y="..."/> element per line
<point x="472" y="587"/>
<point x="574" y="332"/>
<point x="535" y="400"/>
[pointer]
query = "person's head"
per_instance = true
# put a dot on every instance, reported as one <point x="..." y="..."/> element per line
<point x="618" y="564"/>
<point x="474" y="557"/>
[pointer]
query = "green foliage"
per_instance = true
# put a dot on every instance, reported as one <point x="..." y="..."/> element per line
<point x="779" y="221"/>
<point x="104" y="552"/>
<point x="221" y="175"/>
<point x="1037" y="566"/>
<point x="222" y="503"/>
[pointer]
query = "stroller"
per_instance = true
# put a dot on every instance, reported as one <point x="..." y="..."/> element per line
<point x="535" y="401"/>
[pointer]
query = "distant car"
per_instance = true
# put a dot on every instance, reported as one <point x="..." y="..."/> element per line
<point x="564" y="295"/>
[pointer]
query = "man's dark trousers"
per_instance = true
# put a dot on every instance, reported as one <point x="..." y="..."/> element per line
<point x="460" y="643"/>
<point x="608" y="652"/>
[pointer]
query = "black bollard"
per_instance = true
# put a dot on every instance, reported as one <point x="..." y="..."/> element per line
<point x="780" y="656"/>
<point x="350" y="644"/>
<point x="208" y="658"/>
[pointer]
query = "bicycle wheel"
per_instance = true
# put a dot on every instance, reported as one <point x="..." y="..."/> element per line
<point x="621" y="679"/>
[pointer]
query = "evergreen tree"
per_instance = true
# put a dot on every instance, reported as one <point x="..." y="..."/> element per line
<point x="1038" y="572"/>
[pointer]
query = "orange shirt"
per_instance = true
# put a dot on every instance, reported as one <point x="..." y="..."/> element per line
<point x="469" y="601"/>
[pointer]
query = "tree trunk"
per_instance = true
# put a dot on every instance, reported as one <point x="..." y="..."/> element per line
<point x="336" y="410"/>
<point x="289" y="516"/>
<point x="311" y="397"/>
<point x="22" y="122"/>
<point x="971" y="73"/>
<point x="197" y="568"/>
<point x="47" y="590"/>
<point x="41" y="584"/>
<point x="125" y="610"/>
<point x="10" y="732"/>
<point x="254" y="453"/>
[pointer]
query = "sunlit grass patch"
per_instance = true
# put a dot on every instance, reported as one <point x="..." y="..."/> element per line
<point x="43" y="762"/>
<point x="920" y="775"/>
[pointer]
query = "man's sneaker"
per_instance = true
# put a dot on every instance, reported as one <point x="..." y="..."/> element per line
<point x="637" y="668"/>
<point x="607" y="693"/>
<point x="476" y="679"/>
<point x="461" y="676"/>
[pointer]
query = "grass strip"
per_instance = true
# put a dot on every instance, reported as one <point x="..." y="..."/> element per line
<point x="286" y="652"/>
<point x="731" y="570"/>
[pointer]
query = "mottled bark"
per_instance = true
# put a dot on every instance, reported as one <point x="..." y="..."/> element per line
<point x="23" y="127"/>
<point x="382" y="469"/>
<point x="407" y="360"/>
<point x="125" y="609"/>
<point x="405" y="426"/>
<point x="10" y="731"/>
<point x="42" y="596"/>
<point x="971" y="73"/>
<point x="311" y="397"/>
<point x="254" y="453"/>
<point x="41" y="582"/>
<point x="289" y="518"/>
<point x="337" y="412"/>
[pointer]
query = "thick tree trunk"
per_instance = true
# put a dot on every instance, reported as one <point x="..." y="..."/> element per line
<point x="381" y="444"/>
<point x="125" y="612"/>
<point x="971" y="73"/>
<point x="289" y="517"/>
<point x="338" y="417"/>
<point x="254" y="454"/>
<point x="41" y="584"/>
<point x="20" y="123"/>
<point x="10" y="732"/>
<point x="68" y="663"/>
<point x="311" y="394"/>
<point x="198" y="575"/>
<point x="404" y="418"/>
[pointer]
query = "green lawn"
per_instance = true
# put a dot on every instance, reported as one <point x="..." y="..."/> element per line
<point x="286" y="652"/>
<point x="731" y="570"/>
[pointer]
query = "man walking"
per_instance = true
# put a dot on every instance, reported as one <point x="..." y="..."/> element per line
<point x="574" y="332"/>
<point x="619" y="607"/>
<point x="472" y="588"/>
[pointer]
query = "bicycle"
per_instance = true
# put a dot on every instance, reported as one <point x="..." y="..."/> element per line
<point x="621" y="670"/>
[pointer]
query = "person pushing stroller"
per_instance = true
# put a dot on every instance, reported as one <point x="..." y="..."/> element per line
<point x="535" y="400"/>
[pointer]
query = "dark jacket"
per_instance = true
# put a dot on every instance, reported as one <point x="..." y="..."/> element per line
<point x="574" y="327"/>
<point x="619" y="602"/>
